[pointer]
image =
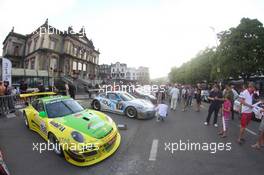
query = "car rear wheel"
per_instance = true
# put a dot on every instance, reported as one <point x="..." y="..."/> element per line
<point x="131" y="112"/>
<point x="54" y="142"/>
<point x="96" y="105"/>
<point x="25" y="119"/>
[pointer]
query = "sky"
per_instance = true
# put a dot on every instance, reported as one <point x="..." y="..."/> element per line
<point x="158" y="34"/>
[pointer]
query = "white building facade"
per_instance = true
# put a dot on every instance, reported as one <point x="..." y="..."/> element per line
<point x="118" y="71"/>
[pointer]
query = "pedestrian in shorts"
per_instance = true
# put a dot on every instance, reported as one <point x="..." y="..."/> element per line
<point x="246" y="99"/>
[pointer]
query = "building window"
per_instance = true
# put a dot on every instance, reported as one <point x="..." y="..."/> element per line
<point x="79" y="66"/>
<point x="28" y="49"/>
<point x="75" y="50"/>
<point x="80" y="53"/>
<point x="74" y="65"/>
<point x="32" y="63"/>
<point x="35" y="43"/>
<point x="84" y="67"/>
<point x="84" y="55"/>
<point x="54" y="63"/>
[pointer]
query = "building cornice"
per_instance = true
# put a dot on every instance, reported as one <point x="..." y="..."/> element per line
<point x="18" y="35"/>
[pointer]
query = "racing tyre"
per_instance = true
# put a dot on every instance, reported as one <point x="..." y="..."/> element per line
<point x="25" y="119"/>
<point x="96" y="105"/>
<point x="131" y="112"/>
<point x="54" y="142"/>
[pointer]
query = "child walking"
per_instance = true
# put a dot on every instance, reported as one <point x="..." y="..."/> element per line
<point x="226" y="116"/>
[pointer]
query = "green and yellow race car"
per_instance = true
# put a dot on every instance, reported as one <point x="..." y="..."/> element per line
<point x="83" y="136"/>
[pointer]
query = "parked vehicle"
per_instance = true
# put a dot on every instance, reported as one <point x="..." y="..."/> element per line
<point x="143" y="94"/>
<point x="124" y="103"/>
<point x="82" y="136"/>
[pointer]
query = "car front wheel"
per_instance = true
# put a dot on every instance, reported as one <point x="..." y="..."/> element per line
<point x="25" y="119"/>
<point x="96" y="105"/>
<point x="131" y="112"/>
<point x="55" y="144"/>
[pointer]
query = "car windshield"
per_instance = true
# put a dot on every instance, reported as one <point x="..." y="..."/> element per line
<point x="63" y="108"/>
<point x="127" y="97"/>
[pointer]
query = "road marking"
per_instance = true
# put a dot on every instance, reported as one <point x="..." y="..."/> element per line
<point x="250" y="131"/>
<point x="154" y="150"/>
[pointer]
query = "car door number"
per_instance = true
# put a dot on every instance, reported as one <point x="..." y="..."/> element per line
<point x="107" y="103"/>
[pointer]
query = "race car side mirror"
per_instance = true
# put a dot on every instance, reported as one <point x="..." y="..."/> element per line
<point x="42" y="114"/>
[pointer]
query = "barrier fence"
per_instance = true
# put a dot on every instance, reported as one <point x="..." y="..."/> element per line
<point x="10" y="103"/>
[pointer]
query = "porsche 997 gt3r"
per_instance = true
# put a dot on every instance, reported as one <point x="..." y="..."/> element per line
<point x="124" y="103"/>
<point x="84" y="137"/>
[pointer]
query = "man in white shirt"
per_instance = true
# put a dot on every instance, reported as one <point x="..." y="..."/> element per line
<point x="246" y="99"/>
<point x="162" y="111"/>
<point x="174" y="97"/>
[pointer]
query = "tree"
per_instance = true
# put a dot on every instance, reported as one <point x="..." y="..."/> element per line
<point x="241" y="50"/>
<point x="239" y="55"/>
<point x="196" y="70"/>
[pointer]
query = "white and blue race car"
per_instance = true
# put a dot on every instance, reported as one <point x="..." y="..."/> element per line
<point x="124" y="103"/>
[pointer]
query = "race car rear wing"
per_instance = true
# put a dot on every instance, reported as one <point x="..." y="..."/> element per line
<point x="34" y="94"/>
<point x="26" y="99"/>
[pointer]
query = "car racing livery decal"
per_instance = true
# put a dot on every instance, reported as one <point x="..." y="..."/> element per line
<point x="43" y="127"/>
<point x="57" y="125"/>
<point x="97" y="129"/>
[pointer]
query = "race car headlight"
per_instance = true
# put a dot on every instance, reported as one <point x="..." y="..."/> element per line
<point x="78" y="137"/>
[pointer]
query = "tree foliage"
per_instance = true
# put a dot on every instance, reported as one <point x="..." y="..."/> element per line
<point x="197" y="69"/>
<point x="240" y="54"/>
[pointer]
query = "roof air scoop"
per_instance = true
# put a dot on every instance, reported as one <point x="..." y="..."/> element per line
<point x="85" y="118"/>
